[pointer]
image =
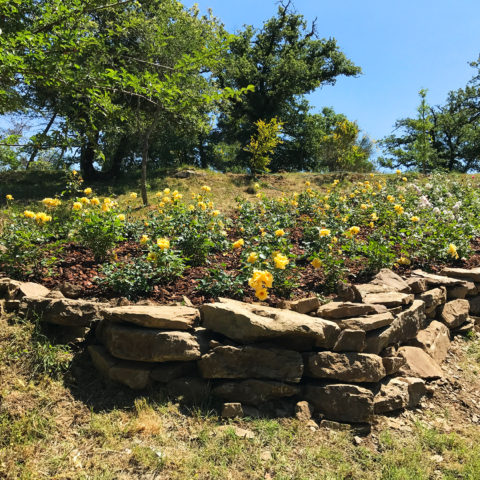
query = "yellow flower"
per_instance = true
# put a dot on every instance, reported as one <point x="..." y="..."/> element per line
<point x="144" y="239"/>
<point x="324" y="232"/>
<point x="166" y="191"/>
<point x="371" y="224"/>
<point x="307" y="183"/>
<point x="404" y="179"/>
<point x="77" y="206"/>
<point x="74" y="172"/>
<point x="317" y="263"/>
<point x="85" y="200"/>
<point x="163" y="243"/>
<point x="29" y="214"/>
<point x="398" y="172"/>
<point x="238" y="244"/>
<point x="152" y="257"/>
<point x="105" y="207"/>
<point x="159" y="194"/>
<point x="404" y="261"/>
<point x="252" y="258"/>
<point x="281" y="261"/>
<point x="363" y="206"/>
<point x="261" y="279"/>
<point x="390" y="198"/>
<point x="399" y="209"/>
<point x="280" y="232"/>
<point x="374" y="216"/>
<point x="258" y="195"/>
<point x="206" y="188"/>
<point x="9" y="197"/>
<point x="352" y="231"/>
<point x="215" y="213"/>
<point x="95" y="201"/>
<point x="121" y="217"/>
<point x="87" y="191"/>
<point x="415" y="219"/>
<point x="452" y="251"/>
<point x="191" y="208"/>
<point x="256" y="186"/>
<point x="261" y="294"/>
<point x="202" y="205"/>
<point x="133" y="195"/>
<point x="42" y="217"/>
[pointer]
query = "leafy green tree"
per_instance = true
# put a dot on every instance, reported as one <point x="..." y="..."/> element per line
<point x="284" y="60"/>
<point x="262" y="145"/>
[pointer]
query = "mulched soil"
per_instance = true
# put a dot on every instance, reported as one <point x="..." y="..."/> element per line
<point x="76" y="265"/>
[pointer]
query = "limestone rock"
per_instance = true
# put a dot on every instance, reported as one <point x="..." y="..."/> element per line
<point x="393" y="364"/>
<point x="391" y="280"/>
<point x="232" y="410"/>
<point x="339" y="310"/>
<point x="252" y="362"/>
<point x="454" y="313"/>
<point x="389" y="299"/>
<point x="404" y="327"/>
<point x="438" y="280"/>
<point x="435" y="340"/>
<point x="71" y="290"/>
<point x="345" y="292"/>
<point x="101" y="359"/>
<point x="341" y="402"/>
<point x="303" y="305"/>
<point x="166" y="372"/>
<point x="397" y="393"/>
<point x="419" y="364"/>
<point x="434" y="298"/>
<point x="164" y="316"/>
<point x="462" y="291"/>
<point x="417" y="284"/>
<point x="254" y="392"/>
<point x="471" y="275"/>
<point x="252" y="323"/>
<point x="62" y="311"/>
<point x="346" y="367"/>
<point x="16" y="290"/>
<point x="370" y="322"/>
<point x="150" y="345"/>
<point x="350" y="341"/>
<point x="303" y="411"/>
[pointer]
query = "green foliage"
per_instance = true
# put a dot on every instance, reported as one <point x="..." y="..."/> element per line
<point x="262" y="145"/>
<point x="220" y="283"/>
<point x="168" y="264"/>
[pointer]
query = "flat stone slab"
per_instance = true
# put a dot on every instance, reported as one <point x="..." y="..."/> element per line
<point x="350" y="341"/>
<point x="390" y="280"/>
<point x="389" y="299"/>
<point x="246" y="323"/>
<point x="341" y="402"/>
<point x="397" y="393"/>
<point x="370" y="322"/>
<point x="435" y="340"/>
<point x="346" y="367"/>
<point x="303" y="305"/>
<point x="438" y="280"/>
<point x="472" y="275"/>
<point x="252" y="362"/>
<point x="255" y="392"/>
<point x="62" y="311"/>
<point x="340" y="310"/>
<point x="165" y="316"/>
<point x="16" y="290"/>
<point x="150" y="345"/>
<point x="434" y="297"/>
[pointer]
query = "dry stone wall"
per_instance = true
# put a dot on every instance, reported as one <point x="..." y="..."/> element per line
<point x="370" y="351"/>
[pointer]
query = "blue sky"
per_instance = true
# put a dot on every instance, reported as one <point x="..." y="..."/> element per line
<point x="401" y="45"/>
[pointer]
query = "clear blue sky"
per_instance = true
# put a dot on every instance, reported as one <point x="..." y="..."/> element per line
<point x="401" y="45"/>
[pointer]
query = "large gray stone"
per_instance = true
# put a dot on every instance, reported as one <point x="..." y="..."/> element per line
<point x="475" y="305"/>
<point x="339" y="310"/>
<point x="390" y="280"/>
<point x="417" y="284"/>
<point x="303" y="305"/>
<point x="252" y="362"/>
<point x="405" y="327"/>
<point x="340" y="402"/>
<point x="165" y="316"/>
<point x="397" y="393"/>
<point x="247" y="323"/>
<point x="168" y="371"/>
<point x="254" y="392"/>
<point x="347" y="367"/>
<point x="389" y="299"/>
<point x="16" y="290"/>
<point x="434" y="298"/>
<point x="150" y="345"/>
<point x="350" y="340"/>
<point x="438" y="280"/>
<point x="62" y="311"/>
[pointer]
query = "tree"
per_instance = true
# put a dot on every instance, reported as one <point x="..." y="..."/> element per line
<point x="284" y="60"/>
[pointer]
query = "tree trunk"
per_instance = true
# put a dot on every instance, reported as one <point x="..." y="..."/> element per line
<point x="87" y="158"/>
<point x="146" y="144"/>
<point x="37" y="148"/>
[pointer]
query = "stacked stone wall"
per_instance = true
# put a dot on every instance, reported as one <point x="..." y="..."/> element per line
<point x="371" y="351"/>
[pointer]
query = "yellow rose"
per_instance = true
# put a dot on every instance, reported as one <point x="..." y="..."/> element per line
<point x="144" y="239"/>
<point x="281" y="261"/>
<point x="317" y="263"/>
<point x="324" y="232"/>
<point x="87" y="191"/>
<point x="280" y="232"/>
<point x="133" y="195"/>
<point x="238" y="244"/>
<point x="252" y="258"/>
<point x="77" y="206"/>
<point x="163" y="243"/>
<point x="9" y="197"/>
<point x="121" y="217"/>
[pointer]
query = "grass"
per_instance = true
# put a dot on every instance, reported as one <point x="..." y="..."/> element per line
<point x="77" y="427"/>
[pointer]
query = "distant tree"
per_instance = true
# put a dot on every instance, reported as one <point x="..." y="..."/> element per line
<point x="284" y="60"/>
